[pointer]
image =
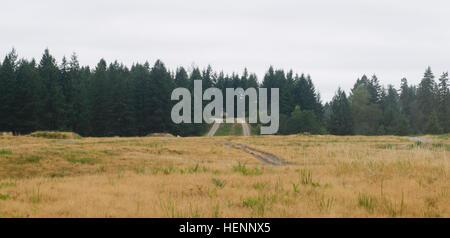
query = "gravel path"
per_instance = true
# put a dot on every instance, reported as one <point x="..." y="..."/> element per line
<point x="245" y="129"/>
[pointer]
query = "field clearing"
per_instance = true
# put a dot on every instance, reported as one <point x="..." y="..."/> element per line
<point x="326" y="176"/>
<point x="227" y="129"/>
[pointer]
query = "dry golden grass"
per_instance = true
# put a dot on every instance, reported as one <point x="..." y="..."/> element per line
<point x="328" y="176"/>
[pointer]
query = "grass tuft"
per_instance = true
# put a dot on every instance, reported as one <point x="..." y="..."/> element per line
<point x="219" y="183"/>
<point x="242" y="168"/>
<point x="367" y="202"/>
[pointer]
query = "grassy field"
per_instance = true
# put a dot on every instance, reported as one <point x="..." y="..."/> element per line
<point x="326" y="176"/>
<point x="229" y="129"/>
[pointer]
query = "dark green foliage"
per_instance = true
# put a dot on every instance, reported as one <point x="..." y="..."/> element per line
<point x="366" y="114"/>
<point x="444" y="102"/>
<point x="301" y="121"/>
<point x="392" y="118"/>
<point x="113" y="100"/>
<point x="339" y="119"/>
<point x="8" y="88"/>
<point x="433" y="126"/>
<point x="54" y="105"/>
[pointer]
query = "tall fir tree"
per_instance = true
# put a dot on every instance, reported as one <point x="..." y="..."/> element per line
<point x="28" y="98"/>
<point x="340" y="120"/>
<point x="54" y="102"/>
<point x="8" y="88"/>
<point x="100" y="101"/>
<point x="444" y="102"/>
<point x="426" y="96"/>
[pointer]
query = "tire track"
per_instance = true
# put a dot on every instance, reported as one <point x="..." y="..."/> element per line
<point x="260" y="155"/>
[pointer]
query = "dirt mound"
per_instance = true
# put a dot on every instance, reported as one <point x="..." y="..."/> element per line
<point x="56" y="135"/>
<point x="160" y="135"/>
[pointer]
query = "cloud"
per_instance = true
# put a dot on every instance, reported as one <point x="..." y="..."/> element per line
<point x="333" y="41"/>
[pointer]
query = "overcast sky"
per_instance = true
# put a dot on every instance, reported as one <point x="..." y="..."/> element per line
<point x="333" y="41"/>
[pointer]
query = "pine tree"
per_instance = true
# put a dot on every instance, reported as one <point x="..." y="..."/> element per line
<point x="340" y="120"/>
<point x="54" y="103"/>
<point x="8" y="88"/>
<point x="409" y="108"/>
<point x="444" y="102"/>
<point x="27" y="99"/>
<point x="78" y="111"/>
<point x="100" y="101"/>
<point x="140" y="75"/>
<point x="182" y="81"/>
<point x="426" y="96"/>
<point x="366" y="115"/>
<point x="269" y="82"/>
<point x="122" y="122"/>
<point x="161" y="85"/>
<point x="433" y="126"/>
<point x="374" y="88"/>
<point x="392" y="118"/>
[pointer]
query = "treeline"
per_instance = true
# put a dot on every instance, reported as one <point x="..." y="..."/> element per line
<point x="114" y="100"/>
<point x="372" y="109"/>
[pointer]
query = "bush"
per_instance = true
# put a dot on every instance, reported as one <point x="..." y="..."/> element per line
<point x="300" y="121"/>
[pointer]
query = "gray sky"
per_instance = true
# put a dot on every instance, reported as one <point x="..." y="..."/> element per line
<point x="333" y="41"/>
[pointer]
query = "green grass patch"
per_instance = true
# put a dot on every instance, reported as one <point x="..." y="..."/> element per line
<point x="259" y="204"/>
<point x="441" y="146"/>
<point x="8" y="184"/>
<point x="166" y="171"/>
<point x="27" y="159"/>
<point x="260" y="185"/>
<point x="229" y="129"/>
<point x="367" y="202"/>
<point x="56" y="135"/>
<point x="325" y="204"/>
<point x="4" y="196"/>
<point x="56" y="175"/>
<point x="306" y="178"/>
<point x="242" y="168"/>
<point x="5" y="152"/>
<point x="255" y="129"/>
<point x="86" y="160"/>
<point x="219" y="183"/>
<point x="386" y="146"/>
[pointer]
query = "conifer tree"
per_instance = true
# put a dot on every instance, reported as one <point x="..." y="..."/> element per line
<point x="444" y="102"/>
<point x="7" y="91"/>
<point x="340" y="121"/>
<point x="54" y="102"/>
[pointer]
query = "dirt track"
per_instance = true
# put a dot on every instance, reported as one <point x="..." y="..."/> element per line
<point x="262" y="156"/>
<point x="420" y="139"/>
<point x="245" y="129"/>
